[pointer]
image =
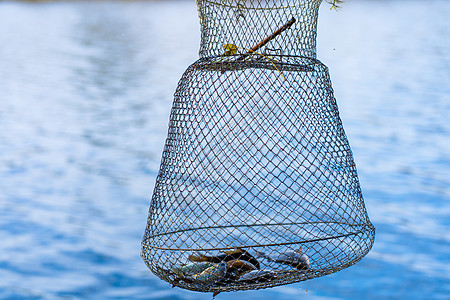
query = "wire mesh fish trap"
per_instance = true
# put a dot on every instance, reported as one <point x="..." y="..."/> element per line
<point x="257" y="185"/>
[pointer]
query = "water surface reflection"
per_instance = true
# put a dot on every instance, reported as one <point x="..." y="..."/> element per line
<point x="85" y="95"/>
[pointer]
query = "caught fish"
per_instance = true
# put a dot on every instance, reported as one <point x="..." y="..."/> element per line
<point x="226" y="256"/>
<point x="240" y="266"/>
<point x="256" y="276"/>
<point x="212" y="274"/>
<point x="236" y="268"/>
<point x="296" y="258"/>
<point x="191" y="269"/>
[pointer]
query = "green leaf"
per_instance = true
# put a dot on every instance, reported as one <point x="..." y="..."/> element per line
<point x="231" y="49"/>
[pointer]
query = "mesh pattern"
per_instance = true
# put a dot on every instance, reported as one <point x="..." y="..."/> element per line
<point x="245" y="23"/>
<point x="257" y="163"/>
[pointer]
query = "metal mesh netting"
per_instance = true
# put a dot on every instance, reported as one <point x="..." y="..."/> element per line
<point x="257" y="185"/>
<point x="246" y="23"/>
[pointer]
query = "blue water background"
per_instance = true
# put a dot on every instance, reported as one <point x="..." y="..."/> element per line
<point x="85" y="94"/>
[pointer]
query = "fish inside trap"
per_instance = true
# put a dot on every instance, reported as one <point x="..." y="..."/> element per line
<point x="235" y="267"/>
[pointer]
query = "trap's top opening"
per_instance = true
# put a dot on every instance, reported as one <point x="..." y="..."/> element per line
<point x="246" y="23"/>
<point x="261" y="4"/>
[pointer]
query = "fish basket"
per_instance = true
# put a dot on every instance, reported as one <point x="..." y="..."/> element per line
<point x="257" y="185"/>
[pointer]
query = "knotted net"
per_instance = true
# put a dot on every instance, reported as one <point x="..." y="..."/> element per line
<point x="257" y="185"/>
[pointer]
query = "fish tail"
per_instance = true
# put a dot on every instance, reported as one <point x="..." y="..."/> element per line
<point x="261" y="254"/>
